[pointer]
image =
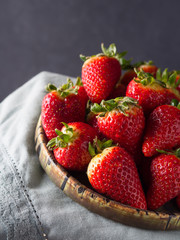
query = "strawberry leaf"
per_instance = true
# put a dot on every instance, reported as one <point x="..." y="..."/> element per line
<point x="98" y="146"/>
<point x="110" y="51"/>
<point x="62" y="138"/>
<point x="91" y="150"/>
<point x="50" y="87"/>
<point x="164" y="77"/>
<point x="83" y="58"/>
<point x="79" y="82"/>
<point x="170" y="152"/>
<point x="122" y="104"/>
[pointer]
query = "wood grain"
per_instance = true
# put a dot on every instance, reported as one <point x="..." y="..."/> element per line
<point x="76" y="186"/>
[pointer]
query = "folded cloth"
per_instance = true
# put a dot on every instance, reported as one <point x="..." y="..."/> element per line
<point x="31" y="206"/>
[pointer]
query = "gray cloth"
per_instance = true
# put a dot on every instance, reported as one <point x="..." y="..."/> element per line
<point x="31" y="206"/>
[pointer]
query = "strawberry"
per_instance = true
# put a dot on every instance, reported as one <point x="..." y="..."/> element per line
<point x="70" y="147"/>
<point x="122" y="120"/>
<point x="112" y="172"/>
<point x="152" y="92"/>
<point x="81" y="92"/>
<point x="147" y="67"/>
<point x="165" y="179"/>
<point x="118" y="91"/>
<point x="61" y="104"/>
<point x="163" y="129"/>
<point x="92" y="121"/>
<point x="101" y="72"/>
<point x="128" y="76"/>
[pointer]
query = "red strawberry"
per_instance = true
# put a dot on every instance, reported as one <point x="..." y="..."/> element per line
<point x="165" y="179"/>
<point x="144" y="171"/>
<point x="128" y="76"/>
<point x="101" y="72"/>
<point x="118" y="91"/>
<point x="113" y="173"/>
<point x="92" y="121"/>
<point x="71" y="145"/>
<point x="178" y="201"/>
<point x="121" y="120"/>
<point x="163" y="129"/>
<point x="61" y="104"/>
<point x="81" y="92"/>
<point x="151" y="92"/>
<point x="147" y="67"/>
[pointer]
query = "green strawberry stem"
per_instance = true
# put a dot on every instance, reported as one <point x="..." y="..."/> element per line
<point x="175" y="103"/>
<point x="65" y="89"/>
<point x="121" y="104"/>
<point x="79" y="82"/>
<point x="175" y="152"/>
<point x="147" y="78"/>
<point x="111" y="52"/>
<point x="98" y="146"/>
<point x="165" y="79"/>
<point x="62" y="139"/>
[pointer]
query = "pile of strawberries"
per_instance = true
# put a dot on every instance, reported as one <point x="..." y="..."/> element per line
<point x="121" y="125"/>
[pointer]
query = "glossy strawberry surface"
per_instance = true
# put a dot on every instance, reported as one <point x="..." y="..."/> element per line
<point x="75" y="156"/>
<point x="114" y="174"/>
<point x="130" y="74"/>
<point x="165" y="180"/>
<point x="93" y="121"/>
<point x="99" y="76"/>
<point x="124" y="129"/>
<point x="152" y="69"/>
<point x="163" y="130"/>
<point x="149" y="97"/>
<point x="83" y="96"/>
<point x="57" y="109"/>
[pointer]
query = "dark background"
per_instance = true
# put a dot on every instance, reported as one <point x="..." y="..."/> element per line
<point x="38" y="35"/>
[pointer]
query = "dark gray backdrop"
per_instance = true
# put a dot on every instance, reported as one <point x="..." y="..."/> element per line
<point x="37" y="35"/>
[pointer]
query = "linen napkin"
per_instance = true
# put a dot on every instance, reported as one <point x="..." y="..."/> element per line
<point x="31" y="206"/>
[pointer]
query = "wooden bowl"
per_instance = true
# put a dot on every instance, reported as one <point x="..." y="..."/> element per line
<point x="77" y="187"/>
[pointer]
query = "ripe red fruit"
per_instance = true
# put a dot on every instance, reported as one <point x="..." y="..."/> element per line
<point x="100" y="73"/>
<point x="151" y="92"/>
<point x="81" y="92"/>
<point x="165" y="179"/>
<point x="118" y="91"/>
<point x="163" y="129"/>
<point x="128" y="76"/>
<point x="121" y="120"/>
<point x="147" y="67"/>
<point x="92" y="121"/>
<point x="114" y="174"/>
<point x="61" y="105"/>
<point x="70" y="147"/>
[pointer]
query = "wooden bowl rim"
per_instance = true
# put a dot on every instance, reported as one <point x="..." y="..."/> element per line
<point x="97" y="199"/>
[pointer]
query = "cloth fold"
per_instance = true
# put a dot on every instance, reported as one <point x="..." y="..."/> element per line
<point x="31" y="206"/>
